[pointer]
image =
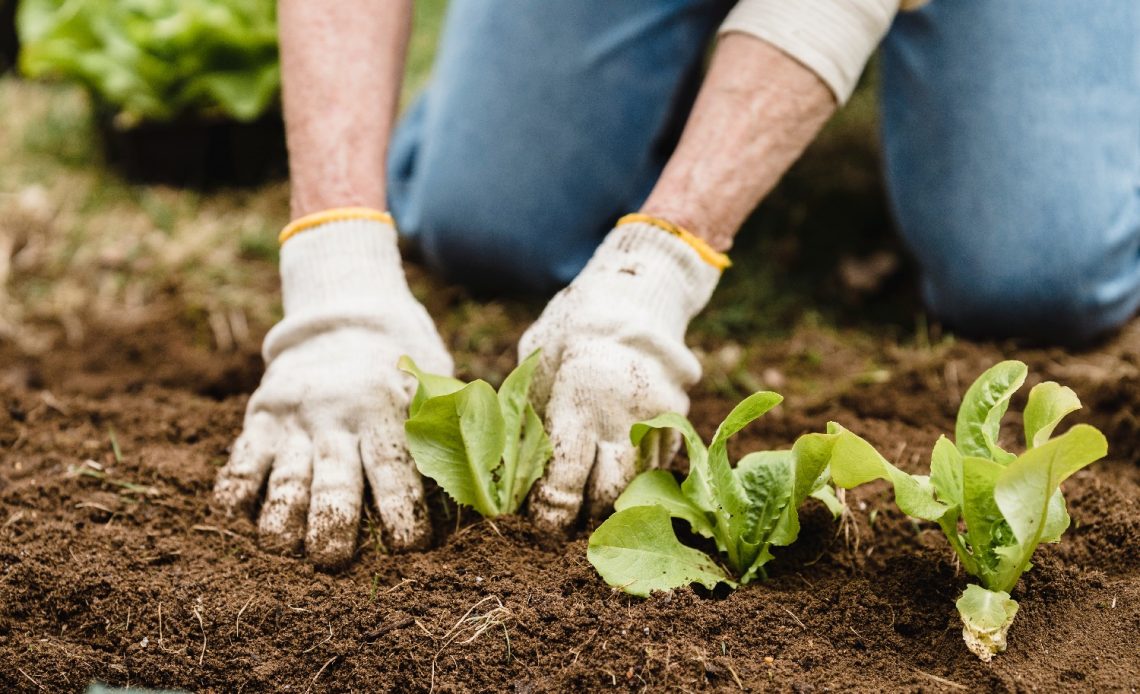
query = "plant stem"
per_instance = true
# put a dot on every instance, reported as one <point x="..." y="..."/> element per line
<point x="721" y="532"/>
<point x="507" y="486"/>
<point x="487" y="506"/>
<point x="1008" y="578"/>
<point x="950" y="530"/>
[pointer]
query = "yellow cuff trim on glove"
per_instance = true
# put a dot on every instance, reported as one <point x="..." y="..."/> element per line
<point x="338" y="214"/>
<point x="713" y="257"/>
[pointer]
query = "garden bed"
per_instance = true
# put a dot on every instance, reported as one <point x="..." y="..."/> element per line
<point x="120" y="571"/>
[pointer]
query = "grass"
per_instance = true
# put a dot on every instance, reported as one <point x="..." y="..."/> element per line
<point x="427" y="23"/>
<point x="86" y="245"/>
<point x="95" y="471"/>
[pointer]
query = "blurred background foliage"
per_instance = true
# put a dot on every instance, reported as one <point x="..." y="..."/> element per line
<point x="160" y="60"/>
<point x="157" y="59"/>
<point x="80" y="244"/>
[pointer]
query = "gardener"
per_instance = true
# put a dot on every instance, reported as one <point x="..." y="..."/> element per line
<point x="1012" y="148"/>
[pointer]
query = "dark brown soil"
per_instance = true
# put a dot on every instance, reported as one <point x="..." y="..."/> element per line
<point x="121" y="572"/>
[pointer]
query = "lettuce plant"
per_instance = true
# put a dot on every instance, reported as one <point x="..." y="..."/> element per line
<point x="485" y="449"/>
<point x="994" y="507"/>
<point x="745" y="510"/>
<point x="157" y="60"/>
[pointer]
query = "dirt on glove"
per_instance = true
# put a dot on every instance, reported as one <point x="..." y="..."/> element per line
<point x="115" y="568"/>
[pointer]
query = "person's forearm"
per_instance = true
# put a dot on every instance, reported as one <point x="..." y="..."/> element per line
<point x="342" y="65"/>
<point x="757" y="111"/>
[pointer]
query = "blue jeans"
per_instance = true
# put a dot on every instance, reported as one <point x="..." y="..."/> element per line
<point x="1011" y="134"/>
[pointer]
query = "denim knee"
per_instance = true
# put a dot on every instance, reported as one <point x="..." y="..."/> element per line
<point x="1012" y="158"/>
<point x="475" y="238"/>
<point x="1067" y="298"/>
<point x="544" y="122"/>
<point x="492" y="227"/>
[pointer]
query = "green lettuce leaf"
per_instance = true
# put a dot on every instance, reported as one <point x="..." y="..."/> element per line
<point x="660" y="488"/>
<point x="811" y="455"/>
<point x="855" y="462"/>
<point x="697" y="486"/>
<point x="986" y="618"/>
<point x="513" y="403"/>
<point x="1008" y="503"/>
<point x="457" y="440"/>
<point x="1024" y="488"/>
<point x="636" y="550"/>
<point x="946" y="472"/>
<point x="746" y="509"/>
<point x="1057" y="519"/>
<point x="767" y="478"/>
<point x="1048" y="404"/>
<point x="485" y="449"/>
<point x="735" y="509"/>
<point x="984" y="522"/>
<point x="429" y="385"/>
<point x="983" y="405"/>
<point x="1025" y="491"/>
<point x="534" y="453"/>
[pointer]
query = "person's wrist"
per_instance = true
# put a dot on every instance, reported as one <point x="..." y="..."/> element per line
<point x="318" y="186"/>
<point x="715" y="230"/>
<point x="320" y="218"/>
<point x="699" y="245"/>
<point x="343" y="260"/>
<point x="656" y="273"/>
<point x="301" y="206"/>
<point x="339" y="274"/>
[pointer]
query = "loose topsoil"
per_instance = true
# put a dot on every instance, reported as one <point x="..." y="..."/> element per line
<point x="119" y="570"/>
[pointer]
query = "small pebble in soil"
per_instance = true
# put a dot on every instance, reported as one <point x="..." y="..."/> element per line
<point x="773" y="378"/>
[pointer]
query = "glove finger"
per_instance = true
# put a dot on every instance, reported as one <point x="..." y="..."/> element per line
<point x="240" y="480"/>
<point x="334" y="509"/>
<point x="543" y="381"/>
<point x="396" y="487"/>
<point x="283" y="515"/>
<point x="615" y="467"/>
<point x="557" y="498"/>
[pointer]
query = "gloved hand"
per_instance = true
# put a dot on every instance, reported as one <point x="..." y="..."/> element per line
<point x="613" y="353"/>
<point x="330" y="409"/>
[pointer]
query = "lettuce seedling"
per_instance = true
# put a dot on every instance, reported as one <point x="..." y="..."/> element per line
<point x="994" y="507"/>
<point x="745" y="510"/>
<point x="485" y="449"/>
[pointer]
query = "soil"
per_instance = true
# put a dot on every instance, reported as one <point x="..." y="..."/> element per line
<point x="118" y="570"/>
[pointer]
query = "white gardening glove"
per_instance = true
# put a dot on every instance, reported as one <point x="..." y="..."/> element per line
<point x="613" y="353"/>
<point x="331" y="407"/>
